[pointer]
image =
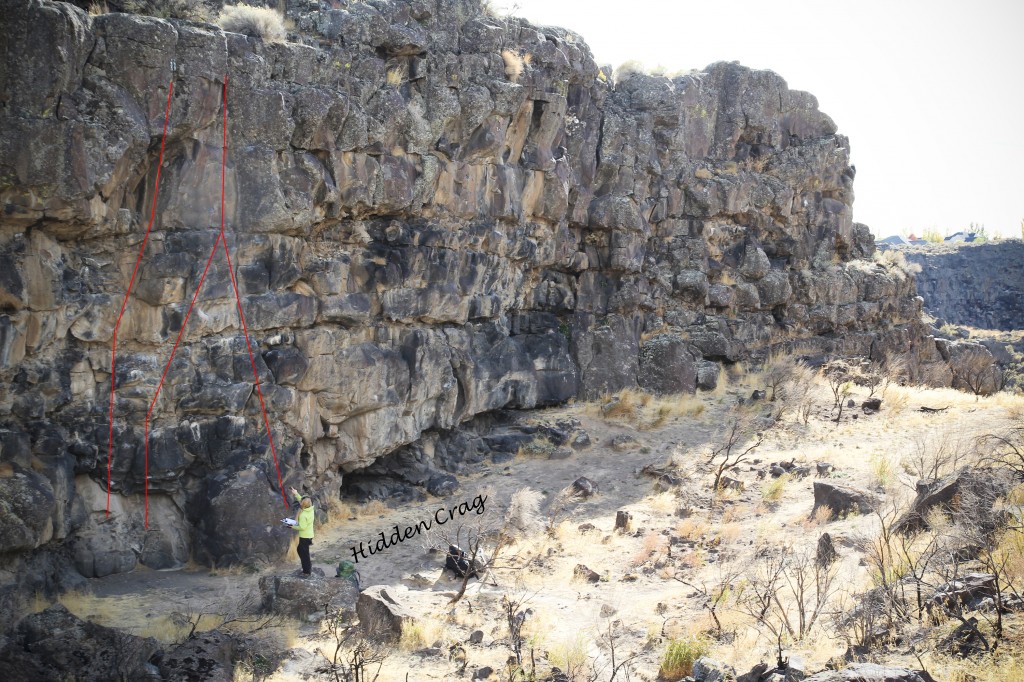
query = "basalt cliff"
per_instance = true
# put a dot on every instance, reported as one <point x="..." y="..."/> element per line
<point x="433" y="214"/>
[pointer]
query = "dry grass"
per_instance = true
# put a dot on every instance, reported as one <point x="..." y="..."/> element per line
<point x="255" y="22"/>
<point x="664" y="503"/>
<point x="515" y="64"/>
<point x="692" y="528"/>
<point x="730" y="532"/>
<point x="645" y="411"/>
<point x="883" y="472"/>
<point x="570" y="655"/>
<point x="538" y="448"/>
<point x="1002" y="668"/>
<point x="421" y="633"/>
<point x="680" y="655"/>
<point x="654" y="547"/>
<point x="772" y="490"/>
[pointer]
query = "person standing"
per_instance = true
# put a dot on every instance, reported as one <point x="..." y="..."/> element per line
<point x="304" y="526"/>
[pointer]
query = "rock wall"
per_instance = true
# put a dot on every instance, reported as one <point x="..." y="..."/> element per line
<point x="433" y="214"/>
<point x="978" y="285"/>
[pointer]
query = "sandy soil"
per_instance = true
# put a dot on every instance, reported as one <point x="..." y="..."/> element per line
<point x="647" y="594"/>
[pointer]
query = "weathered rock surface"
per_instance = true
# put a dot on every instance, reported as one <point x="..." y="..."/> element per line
<point x="870" y="672"/>
<point x="842" y="499"/>
<point x="978" y="285"/>
<point x="57" y="645"/>
<point x="207" y="657"/>
<point x="973" y="490"/>
<point x="381" y="611"/>
<point x="309" y="599"/>
<point x="417" y="238"/>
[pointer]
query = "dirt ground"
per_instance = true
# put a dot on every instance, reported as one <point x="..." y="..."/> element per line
<point x="682" y="538"/>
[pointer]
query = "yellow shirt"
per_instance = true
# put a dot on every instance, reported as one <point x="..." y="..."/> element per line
<point x="305" y="518"/>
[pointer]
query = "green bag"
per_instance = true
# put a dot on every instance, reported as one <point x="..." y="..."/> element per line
<point x="347" y="570"/>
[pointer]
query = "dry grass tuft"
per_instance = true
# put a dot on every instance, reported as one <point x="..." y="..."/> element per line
<point x="680" y="655"/>
<point x="421" y="633"/>
<point x="654" y="547"/>
<point x="515" y="64"/>
<point x="569" y="654"/>
<point x="772" y="490"/>
<point x="255" y="22"/>
<point x="692" y="528"/>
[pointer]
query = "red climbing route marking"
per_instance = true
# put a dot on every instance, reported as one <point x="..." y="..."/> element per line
<point x="221" y="238"/>
<point x="124" y="303"/>
<point x="181" y="332"/>
<point x="238" y="299"/>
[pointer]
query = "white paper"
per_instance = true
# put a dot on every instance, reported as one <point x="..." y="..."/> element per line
<point x="290" y="522"/>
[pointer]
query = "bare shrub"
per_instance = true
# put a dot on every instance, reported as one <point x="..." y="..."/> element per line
<point x="840" y="383"/>
<point x="778" y="371"/>
<point x="936" y="454"/>
<point x="255" y="22"/>
<point x="628" y="69"/>
<point x="787" y="593"/>
<point x="741" y="439"/>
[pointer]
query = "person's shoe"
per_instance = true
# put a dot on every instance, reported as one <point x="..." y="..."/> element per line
<point x="304" y="575"/>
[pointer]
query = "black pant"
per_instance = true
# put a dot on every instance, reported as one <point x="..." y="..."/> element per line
<point x="307" y="565"/>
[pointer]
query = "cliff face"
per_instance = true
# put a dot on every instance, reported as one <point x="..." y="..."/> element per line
<point x="420" y="235"/>
<point x="979" y="285"/>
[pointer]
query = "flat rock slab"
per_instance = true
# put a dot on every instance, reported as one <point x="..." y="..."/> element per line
<point x="308" y="599"/>
<point x="842" y="499"/>
<point x="870" y="672"/>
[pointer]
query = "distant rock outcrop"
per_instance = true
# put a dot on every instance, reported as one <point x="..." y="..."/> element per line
<point x="419" y="236"/>
<point x="978" y="285"/>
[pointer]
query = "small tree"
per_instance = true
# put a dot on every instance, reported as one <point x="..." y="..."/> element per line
<point x="351" y="656"/>
<point x="840" y="383"/>
<point x="740" y="442"/>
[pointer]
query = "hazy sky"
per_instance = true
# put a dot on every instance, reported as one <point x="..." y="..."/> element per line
<point x="931" y="94"/>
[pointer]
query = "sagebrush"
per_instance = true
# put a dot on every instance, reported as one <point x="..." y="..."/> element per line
<point x="256" y="22"/>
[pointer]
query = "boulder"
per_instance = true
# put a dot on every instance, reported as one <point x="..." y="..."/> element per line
<point x="584" y="487"/>
<point x="843" y="499"/>
<point x="57" y="645"/>
<point x="706" y="669"/>
<point x="207" y="657"/>
<point x="585" y="574"/>
<point x="871" y="672"/>
<point x="241" y="522"/>
<point x="309" y="599"/>
<point x="667" y="365"/>
<point x="26" y="505"/>
<point x="967" y="592"/>
<point x="381" y="612"/>
<point x="981" y="485"/>
<point x="826" y="554"/>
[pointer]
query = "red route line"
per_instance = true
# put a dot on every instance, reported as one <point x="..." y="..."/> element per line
<point x="238" y="299"/>
<point x="138" y="259"/>
<point x="181" y="332"/>
<point x="252" y="360"/>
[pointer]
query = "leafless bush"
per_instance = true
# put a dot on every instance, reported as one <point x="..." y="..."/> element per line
<point x="350" y="655"/>
<point x="797" y="391"/>
<point x="484" y="541"/>
<point x="741" y="439"/>
<point x="937" y="454"/>
<point x="840" y="383"/>
<point x="778" y="371"/>
<point x="787" y="593"/>
<point x="560" y="506"/>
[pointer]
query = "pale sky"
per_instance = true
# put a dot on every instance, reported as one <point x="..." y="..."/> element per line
<point x="931" y="94"/>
